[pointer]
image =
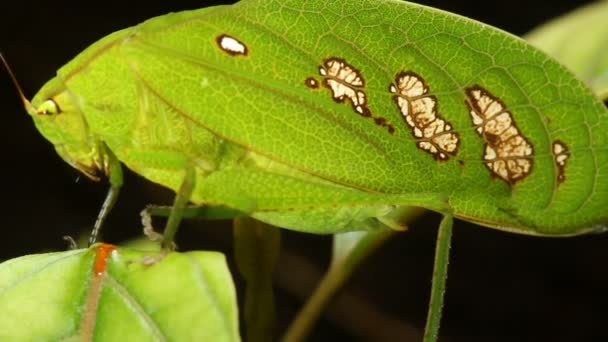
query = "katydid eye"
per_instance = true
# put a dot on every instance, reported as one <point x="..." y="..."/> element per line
<point x="49" y="107"/>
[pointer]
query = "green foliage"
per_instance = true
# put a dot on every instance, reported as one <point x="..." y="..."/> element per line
<point x="578" y="40"/>
<point x="106" y="293"/>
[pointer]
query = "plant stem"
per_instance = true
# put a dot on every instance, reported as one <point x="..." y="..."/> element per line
<point x="333" y="280"/>
<point x="440" y="273"/>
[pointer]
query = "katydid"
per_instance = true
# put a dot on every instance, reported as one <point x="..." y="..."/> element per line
<point x="327" y="117"/>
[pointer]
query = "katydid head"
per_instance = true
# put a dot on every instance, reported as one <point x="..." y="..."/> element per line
<point x="57" y="116"/>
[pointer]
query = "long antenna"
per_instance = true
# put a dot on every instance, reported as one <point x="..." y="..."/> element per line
<point x="26" y="103"/>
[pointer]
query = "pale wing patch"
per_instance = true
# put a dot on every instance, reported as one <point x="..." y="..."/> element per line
<point x="231" y="45"/>
<point x="346" y="84"/>
<point x="507" y="153"/>
<point x="560" y="156"/>
<point x="419" y="110"/>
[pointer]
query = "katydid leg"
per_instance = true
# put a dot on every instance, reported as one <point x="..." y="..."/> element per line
<point x="440" y="272"/>
<point x="72" y="245"/>
<point x="114" y="171"/>
<point x="182" y="196"/>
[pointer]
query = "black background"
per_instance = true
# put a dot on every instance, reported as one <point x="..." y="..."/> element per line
<point x="501" y="287"/>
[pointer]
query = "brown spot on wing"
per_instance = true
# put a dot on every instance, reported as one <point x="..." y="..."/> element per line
<point x="560" y="157"/>
<point x="347" y="85"/>
<point x="419" y="111"/>
<point x="311" y="83"/>
<point x="508" y="153"/>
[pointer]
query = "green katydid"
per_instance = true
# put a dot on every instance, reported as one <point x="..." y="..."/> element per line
<point x="326" y="117"/>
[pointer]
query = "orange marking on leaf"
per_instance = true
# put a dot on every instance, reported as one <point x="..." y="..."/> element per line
<point x="89" y="314"/>
<point x="101" y="255"/>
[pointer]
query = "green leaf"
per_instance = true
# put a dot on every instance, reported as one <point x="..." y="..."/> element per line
<point x="580" y="41"/>
<point x="108" y="293"/>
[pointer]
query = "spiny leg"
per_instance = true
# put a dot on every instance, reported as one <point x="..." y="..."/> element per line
<point x="191" y="211"/>
<point x="115" y="175"/>
<point x="146" y="222"/>
<point x="72" y="245"/>
<point x="175" y="215"/>
<point x="440" y="272"/>
<point x="201" y="211"/>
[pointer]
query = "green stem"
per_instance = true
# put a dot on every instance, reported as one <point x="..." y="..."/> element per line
<point x="440" y="272"/>
<point x="339" y="272"/>
<point x="256" y="249"/>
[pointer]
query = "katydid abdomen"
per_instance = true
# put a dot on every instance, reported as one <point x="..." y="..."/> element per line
<point x="300" y="113"/>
